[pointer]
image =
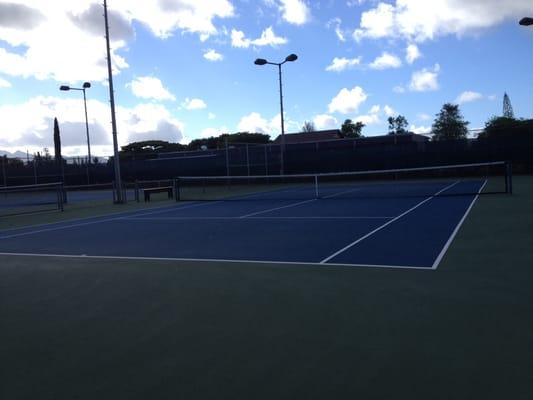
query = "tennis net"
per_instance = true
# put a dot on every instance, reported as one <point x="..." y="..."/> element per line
<point x="16" y="200"/>
<point x="448" y="180"/>
<point x="97" y="192"/>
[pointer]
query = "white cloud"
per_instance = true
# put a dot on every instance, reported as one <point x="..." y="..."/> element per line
<point x="268" y="38"/>
<point x="325" y="121"/>
<point x="29" y="125"/>
<point x="255" y="123"/>
<point x="341" y="64"/>
<point x="336" y="23"/>
<point x="213" y="55"/>
<point x="468" y="96"/>
<point x="194" y="104"/>
<point x="347" y="101"/>
<point x="371" y="118"/>
<point x="35" y="44"/>
<point x="425" y="80"/>
<point x="376" y="23"/>
<point x="295" y="11"/>
<point x="211" y="116"/>
<point x="4" y="83"/>
<point x="420" y="129"/>
<point x="165" y="16"/>
<point x="412" y="53"/>
<point x="389" y="111"/>
<point x="149" y="87"/>
<point x="398" y="89"/>
<point x="148" y="122"/>
<point x="210" y="132"/>
<point x="425" y="20"/>
<point x="424" y="117"/>
<point x="385" y="61"/>
<point x="75" y="27"/>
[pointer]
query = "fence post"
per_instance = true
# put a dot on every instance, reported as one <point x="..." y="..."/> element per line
<point x="509" y="177"/>
<point x="137" y="191"/>
<point x="4" y="175"/>
<point x="35" y="170"/>
<point x="227" y="157"/>
<point x="176" y="189"/>
<point x="266" y="159"/>
<point x="247" y="159"/>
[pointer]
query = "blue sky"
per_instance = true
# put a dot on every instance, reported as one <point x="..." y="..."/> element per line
<point x="183" y="69"/>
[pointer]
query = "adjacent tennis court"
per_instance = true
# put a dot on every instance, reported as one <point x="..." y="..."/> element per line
<point x="399" y="225"/>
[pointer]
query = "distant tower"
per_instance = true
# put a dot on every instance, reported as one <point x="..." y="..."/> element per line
<point x="507" y="107"/>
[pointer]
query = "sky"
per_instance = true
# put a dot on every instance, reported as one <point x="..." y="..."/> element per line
<point x="184" y="69"/>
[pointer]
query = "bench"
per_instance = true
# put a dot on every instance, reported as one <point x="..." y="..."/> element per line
<point x="162" y="189"/>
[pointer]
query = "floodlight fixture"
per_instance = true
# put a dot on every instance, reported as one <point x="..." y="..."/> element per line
<point x="291" y="57"/>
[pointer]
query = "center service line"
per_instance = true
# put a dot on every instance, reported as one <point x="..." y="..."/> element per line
<point x="297" y="204"/>
<point x="325" y="260"/>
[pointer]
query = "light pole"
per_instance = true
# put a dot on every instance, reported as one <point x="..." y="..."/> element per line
<point x="86" y="85"/>
<point x="119" y="198"/>
<point x="262" y="61"/>
<point x="526" y="21"/>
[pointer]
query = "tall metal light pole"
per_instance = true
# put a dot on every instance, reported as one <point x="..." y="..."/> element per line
<point x="261" y="61"/>
<point x="116" y="160"/>
<point x="86" y="85"/>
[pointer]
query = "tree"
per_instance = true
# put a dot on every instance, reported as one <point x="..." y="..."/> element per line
<point x="57" y="141"/>
<point x="219" y="142"/>
<point x="498" y="127"/>
<point x="398" y="125"/>
<point x="308" y="127"/>
<point x="350" y="129"/>
<point x="449" y="123"/>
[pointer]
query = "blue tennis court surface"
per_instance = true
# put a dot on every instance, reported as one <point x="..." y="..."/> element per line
<point x="403" y="228"/>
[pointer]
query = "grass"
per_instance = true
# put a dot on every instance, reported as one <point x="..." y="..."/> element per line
<point x="103" y="329"/>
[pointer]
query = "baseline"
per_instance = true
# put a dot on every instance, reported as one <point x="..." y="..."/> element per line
<point x="214" y="260"/>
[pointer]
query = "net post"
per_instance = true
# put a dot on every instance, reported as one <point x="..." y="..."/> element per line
<point x="176" y="189"/>
<point x="317" y="194"/>
<point x="60" y="192"/>
<point x="124" y="189"/>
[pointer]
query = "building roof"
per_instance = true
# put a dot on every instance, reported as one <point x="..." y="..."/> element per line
<point x="317" y="136"/>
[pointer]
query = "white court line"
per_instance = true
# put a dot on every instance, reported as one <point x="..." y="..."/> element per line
<point x="249" y="218"/>
<point x="297" y="204"/>
<point x="99" y="221"/>
<point x="80" y="219"/>
<point x="277" y="208"/>
<point x="456" y="230"/>
<point x="211" y="260"/>
<point x="325" y="260"/>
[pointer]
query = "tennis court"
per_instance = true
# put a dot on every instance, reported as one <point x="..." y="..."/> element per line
<point x="87" y="304"/>
<point x="408" y="225"/>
